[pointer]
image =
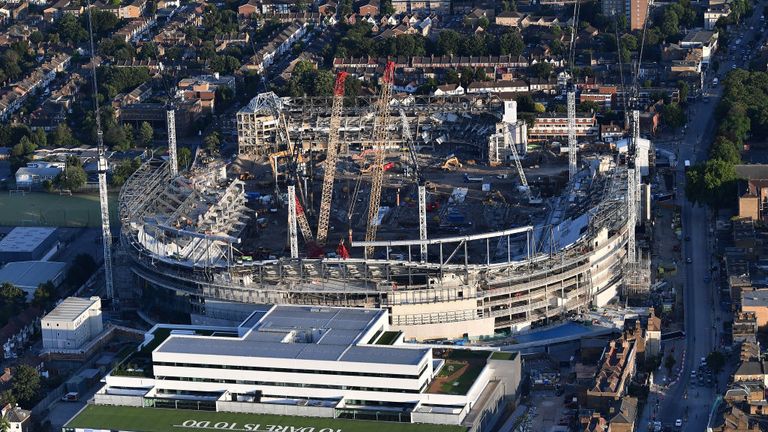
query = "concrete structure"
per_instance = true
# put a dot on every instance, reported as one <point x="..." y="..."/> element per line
<point x="337" y="362"/>
<point x="653" y="336"/>
<point x="28" y="275"/>
<point x="28" y="244"/>
<point x="548" y="126"/>
<point x="72" y="324"/>
<point x="703" y="42"/>
<point x="192" y="253"/>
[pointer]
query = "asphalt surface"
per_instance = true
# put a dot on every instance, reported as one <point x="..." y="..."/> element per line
<point x="685" y="400"/>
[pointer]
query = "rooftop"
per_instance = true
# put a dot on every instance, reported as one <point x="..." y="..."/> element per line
<point x="300" y="332"/>
<point x="71" y="308"/>
<point x="167" y="420"/>
<point x="25" y="239"/>
<point x="754" y="298"/>
<point x="31" y="273"/>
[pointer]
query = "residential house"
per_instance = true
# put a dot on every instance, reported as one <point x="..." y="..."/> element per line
<point x="615" y="371"/>
<point x="135" y="28"/>
<point x="249" y="9"/>
<point x="133" y="10"/>
<point x="449" y="90"/>
<point x="426" y="7"/>
<point x="18" y="331"/>
<point x="203" y="88"/>
<point x="35" y="173"/>
<point x="514" y="86"/>
<point x="19" y="420"/>
<point x="753" y="191"/>
<point x="714" y="12"/>
<point x="369" y="8"/>
<point x="279" y="45"/>
<point x="509" y="19"/>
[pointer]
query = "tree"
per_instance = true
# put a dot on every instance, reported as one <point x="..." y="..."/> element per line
<point x="212" y="143"/>
<point x="629" y="42"/>
<point x="716" y="361"/>
<point x="673" y="116"/>
<point x="5" y="424"/>
<point x="726" y="150"/>
<point x="26" y="384"/>
<point x="146" y="134"/>
<point x="736" y="124"/>
<point x="40" y="138"/>
<point x="70" y="30"/>
<point x="10" y="293"/>
<point x="184" y="158"/>
<point x="73" y="177"/>
<point x="44" y="295"/>
<point x="712" y="183"/>
<point x="62" y="135"/>
<point x="448" y="42"/>
<point x="684" y="89"/>
<point x="511" y="43"/>
<point x="483" y="22"/>
<point x="541" y="69"/>
<point x="116" y="139"/>
<point x="669" y="363"/>
<point x="36" y="37"/>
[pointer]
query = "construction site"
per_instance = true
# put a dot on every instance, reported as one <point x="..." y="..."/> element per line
<point x="437" y="208"/>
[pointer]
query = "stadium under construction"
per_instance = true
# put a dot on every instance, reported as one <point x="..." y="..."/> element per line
<point x="436" y="208"/>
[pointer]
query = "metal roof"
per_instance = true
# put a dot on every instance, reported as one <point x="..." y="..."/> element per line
<point x="25" y="239"/>
<point x="71" y="308"/>
<point x="30" y="274"/>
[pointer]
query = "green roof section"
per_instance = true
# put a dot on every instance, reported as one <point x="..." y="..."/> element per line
<point x="131" y="419"/>
<point x="503" y="355"/>
<point x="388" y="337"/>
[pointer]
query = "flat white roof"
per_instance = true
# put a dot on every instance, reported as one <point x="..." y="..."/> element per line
<point x="71" y="308"/>
<point x="25" y="239"/>
<point x="301" y="332"/>
<point x="25" y="274"/>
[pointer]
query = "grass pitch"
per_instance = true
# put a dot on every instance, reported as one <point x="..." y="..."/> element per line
<point x="132" y="419"/>
<point x="49" y="209"/>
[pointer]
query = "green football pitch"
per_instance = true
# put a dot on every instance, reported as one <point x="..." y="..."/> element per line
<point x="50" y="209"/>
<point x="100" y="417"/>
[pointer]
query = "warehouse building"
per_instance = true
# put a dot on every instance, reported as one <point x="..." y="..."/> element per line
<point x="28" y="275"/>
<point x="28" y="244"/>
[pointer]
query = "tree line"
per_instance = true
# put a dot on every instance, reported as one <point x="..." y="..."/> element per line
<point x="743" y="111"/>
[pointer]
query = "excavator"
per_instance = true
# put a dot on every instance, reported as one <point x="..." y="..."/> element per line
<point x="451" y="164"/>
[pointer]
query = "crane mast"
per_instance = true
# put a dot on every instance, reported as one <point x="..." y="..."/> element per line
<point x="330" y="159"/>
<point x="571" y="96"/>
<point x="102" y="166"/>
<point x="173" y="163"/>
<point x="379" y="142"/>
<point x="421" y="189"/>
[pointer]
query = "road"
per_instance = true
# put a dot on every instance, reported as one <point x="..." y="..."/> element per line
<point x="700" y="301"/>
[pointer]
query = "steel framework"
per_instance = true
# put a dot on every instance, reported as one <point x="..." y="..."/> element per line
<point x="380" y="142"/>
<point x="330" y="159"/>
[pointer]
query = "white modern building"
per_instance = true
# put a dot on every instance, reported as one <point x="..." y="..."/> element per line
<point x="72" y="324"/>
<point x="319" y="362"/>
